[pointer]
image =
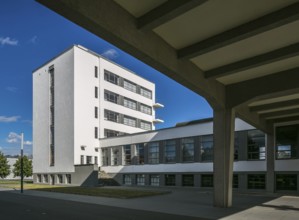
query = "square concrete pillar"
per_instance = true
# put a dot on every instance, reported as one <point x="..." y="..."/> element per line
<point x="270" y="160"/>
<point x="224" y="126"/>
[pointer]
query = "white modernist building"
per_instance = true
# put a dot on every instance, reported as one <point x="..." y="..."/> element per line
<point x="90" y="113"/>
<point x="79" y="97"/>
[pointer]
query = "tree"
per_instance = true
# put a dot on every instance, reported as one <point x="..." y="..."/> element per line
<point x="27" y="167"/>
<point x="4" y="167"/>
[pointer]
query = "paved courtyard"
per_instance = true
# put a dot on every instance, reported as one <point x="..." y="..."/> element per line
<point x="190" y="202"/>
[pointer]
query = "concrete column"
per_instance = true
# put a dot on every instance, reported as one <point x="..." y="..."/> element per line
<point x="224" y="126"/>
<point x="270" y="159"/>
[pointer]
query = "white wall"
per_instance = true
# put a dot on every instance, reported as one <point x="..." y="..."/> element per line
<point x="84" y="104"/>
<point x="287" y="165"/>
<point x="64" y="115"/>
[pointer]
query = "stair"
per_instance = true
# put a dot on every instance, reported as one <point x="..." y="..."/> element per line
<point x="106" y="180"/>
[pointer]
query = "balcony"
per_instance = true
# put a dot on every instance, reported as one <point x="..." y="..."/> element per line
<point x="158" y="105"/>
<point x="157" y="120"/>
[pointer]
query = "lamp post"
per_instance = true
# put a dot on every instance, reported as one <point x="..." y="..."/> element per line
<point x="22" y="173"/>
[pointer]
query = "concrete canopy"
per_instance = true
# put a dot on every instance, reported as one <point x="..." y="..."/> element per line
<point x="241" y="55"/>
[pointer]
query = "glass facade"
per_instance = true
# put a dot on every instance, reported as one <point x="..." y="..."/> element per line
<point x="170" y="151"/>
<point x="206" y="148"/>
<point x="188" y="149"/>
<point x="287" y="141"/>
<point x="153" y="153"/>
<point x="187" y="180"/>
<point x="256" y="145"/>
<point x="256" y="181"/>
<point x="207" y="180"/>
<point x="169" y="180"/>
<point x="140" y="153"/>
<point x="286" y="182"/>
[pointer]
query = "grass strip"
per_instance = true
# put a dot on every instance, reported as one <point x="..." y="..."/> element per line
<point x="105" y="192"/>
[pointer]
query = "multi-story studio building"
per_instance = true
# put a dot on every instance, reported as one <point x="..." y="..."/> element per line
<point x="79" y="97"/>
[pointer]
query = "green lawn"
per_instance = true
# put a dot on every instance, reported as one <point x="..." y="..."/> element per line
<point x="105" y="192"/>
<point x="88" y="191"/>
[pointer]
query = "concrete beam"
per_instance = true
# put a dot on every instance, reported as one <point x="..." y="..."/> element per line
<point x="277" y="84"/>
<point x="260" y="25"/>
<point x="253" y="118"/>
<point x="166" y="12"/>
<point x="111" y="22"/>
<point x="280" y="114"/>
<point x="276" y="105"/>
<point x="286" y="119"/>
<point x="249" y="63"/>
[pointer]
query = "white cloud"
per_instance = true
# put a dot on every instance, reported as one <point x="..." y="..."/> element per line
<point x="27" y="142"/>
<point x="11" y="89"/>
<point x="8" y="41"/>
<point x="16" y="138"/>
<point x="33" y="40"/>
<point x="9" y="119"/>
<point x="110" y="54"/>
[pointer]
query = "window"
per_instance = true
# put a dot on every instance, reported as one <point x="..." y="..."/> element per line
<point x="112" y="133"/>
<point x="82" y="159"/>
<point x="146" y="109"/>
<point x="114" y="156"/>
<point x="154" y="180"/>
<point x="153" y="153"/>
<point x="96" y="132"/>
<point x="96" y="92"/>
<point x="207" y="180"/>
<point x="111" y="77"/>
<point x="140" y="179"/>
<point x="96" y="112"/>
<point x="46" y="180"/>
<point x="169" y="180"/>
<point x="256" y="181"/>
<point x="96" y="72"/>
<point x="170" y="151"/>
<point x="140" y="153"/>
<point x="127" y="179"/>
<point x="145" y="92"/>
<point x="127" y="154"/>
<point x="68" y="178"/>
<point x="52" y="153"/>
<point x="129" y="103"/>
<point x="88" y="159"/>
<point x="130" y="86"/>
<point x="59" y="179"/>
<point x="111" y="116"/>
<point x="105" y="159"/>
<point x="206" y="147"/>
<point x="287" y="141"/>
<point x="236" y="181"/>
<point x="256" y="145"/>
<point x="237" y="145"/>
<point x="39" y="178"/>
<point x="286" y="182"/>
<point x="129" y="121"/>
<point x="188" y="180"/>
<point x="111" y="97"/>
<point x="95" y="160"/>
<point x="145" y="125"/>
<point x="188" y="149"/>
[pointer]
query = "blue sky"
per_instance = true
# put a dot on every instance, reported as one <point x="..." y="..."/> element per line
<point x="30" y="35"/>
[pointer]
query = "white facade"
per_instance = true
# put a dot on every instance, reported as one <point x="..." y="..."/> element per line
<point x="81" y="107"/>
